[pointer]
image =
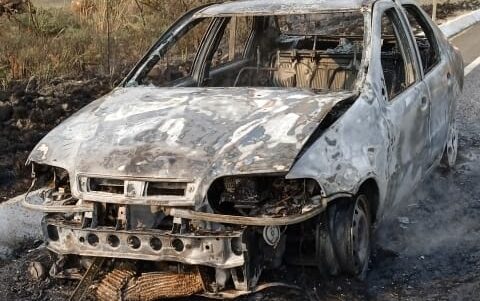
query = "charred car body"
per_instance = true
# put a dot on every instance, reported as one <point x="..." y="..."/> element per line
<point x="252" y="133"/>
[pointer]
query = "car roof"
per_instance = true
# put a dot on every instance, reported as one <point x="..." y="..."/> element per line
<point x="279" y="7"/>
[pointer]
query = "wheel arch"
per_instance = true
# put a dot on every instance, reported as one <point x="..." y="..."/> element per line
<point x="370" y="188"/>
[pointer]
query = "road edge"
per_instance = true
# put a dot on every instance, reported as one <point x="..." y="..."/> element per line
<point x="461" y="23"/>
<point x="472" y="66"/>
<point x="17" y="225"/>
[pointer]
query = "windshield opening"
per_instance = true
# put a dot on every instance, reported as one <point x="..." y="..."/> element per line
<point x="321" y="51"/>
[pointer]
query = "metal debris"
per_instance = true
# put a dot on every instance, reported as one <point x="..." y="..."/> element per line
<point x="111" y="286"/>
<point x="154" y="286"/>
<point x="36" y="270"/>
<point x="121" y="284"/>
<point x="83" y="286"/>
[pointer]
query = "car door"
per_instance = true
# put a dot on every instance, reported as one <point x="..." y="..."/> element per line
<point x="437" y="78"/>
<point x="405" y="99"/>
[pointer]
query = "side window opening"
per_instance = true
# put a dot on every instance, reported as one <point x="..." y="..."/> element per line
<point x="233" y="42"/>
<point x="175" y="64"/>
<point x="424" y="37"/>
<point x="396" y="55"/>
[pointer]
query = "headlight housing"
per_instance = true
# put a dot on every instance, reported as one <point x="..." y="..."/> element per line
<point x="258" y="195"/>
<point x="55" y="178"/>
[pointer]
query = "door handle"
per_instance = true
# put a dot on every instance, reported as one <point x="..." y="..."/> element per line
<point x="449" y="79"/>
<point x="424" y="103"/>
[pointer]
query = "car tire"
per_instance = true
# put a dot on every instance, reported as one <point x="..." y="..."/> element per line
<point x="344" y="245"/>
<point x="450" y="153"/>
<point x="324" y="251"/>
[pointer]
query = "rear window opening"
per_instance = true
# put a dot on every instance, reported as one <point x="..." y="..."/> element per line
<point x="396" y="56"/>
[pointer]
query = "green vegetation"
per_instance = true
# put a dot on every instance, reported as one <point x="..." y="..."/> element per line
<point x="95" y="37"/>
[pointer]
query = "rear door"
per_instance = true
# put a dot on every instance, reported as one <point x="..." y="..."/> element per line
<point x="437" y="77"/>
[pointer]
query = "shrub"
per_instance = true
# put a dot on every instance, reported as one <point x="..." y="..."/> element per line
<point x="105" y="39"/>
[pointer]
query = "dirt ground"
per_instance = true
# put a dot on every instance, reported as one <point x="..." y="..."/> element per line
<point x="28" y="112"/>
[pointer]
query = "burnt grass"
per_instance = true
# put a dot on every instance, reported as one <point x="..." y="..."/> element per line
<point x="27" y="113"/>
<point x="446" y="9"/>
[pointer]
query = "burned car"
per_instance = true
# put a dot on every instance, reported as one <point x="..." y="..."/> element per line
<point x="252" y="134"/>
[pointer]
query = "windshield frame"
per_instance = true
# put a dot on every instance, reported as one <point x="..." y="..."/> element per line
<point x="185" y="22"/>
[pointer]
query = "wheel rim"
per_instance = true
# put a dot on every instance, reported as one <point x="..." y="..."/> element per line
<point x="360" y="234"/>
<point x="452" y="146"/>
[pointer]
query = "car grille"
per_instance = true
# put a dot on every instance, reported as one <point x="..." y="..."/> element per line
<point x="135" y="188"/>
<point x="165" y="188"/>
<point x="106" y="185"/>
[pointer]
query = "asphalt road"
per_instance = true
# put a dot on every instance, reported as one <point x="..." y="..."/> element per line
<point x="468" y="42"/>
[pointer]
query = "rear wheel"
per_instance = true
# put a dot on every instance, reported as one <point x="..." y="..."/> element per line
<point x="451" y="149"/>
<point x="343" y="243"/>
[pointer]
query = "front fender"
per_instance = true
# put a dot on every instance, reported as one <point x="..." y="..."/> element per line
<point x="348" y="153"/>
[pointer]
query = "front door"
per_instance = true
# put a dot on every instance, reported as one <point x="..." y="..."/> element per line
<point x="406" y="101"/>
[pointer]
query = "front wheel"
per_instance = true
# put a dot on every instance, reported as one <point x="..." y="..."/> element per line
<point x="344" y="242"/>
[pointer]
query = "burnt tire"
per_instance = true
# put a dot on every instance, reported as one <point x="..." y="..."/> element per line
<point x="324" y="252"/>
<point x="450" y="153"/>
<point x="344" y="245"/>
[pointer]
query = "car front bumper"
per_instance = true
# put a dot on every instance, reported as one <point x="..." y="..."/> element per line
<point x="218" y="250"/>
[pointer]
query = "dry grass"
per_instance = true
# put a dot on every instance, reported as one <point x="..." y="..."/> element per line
<point x="105" y="39"/>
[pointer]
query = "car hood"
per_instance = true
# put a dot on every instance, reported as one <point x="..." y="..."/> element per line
<point x="151" y="132"/>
